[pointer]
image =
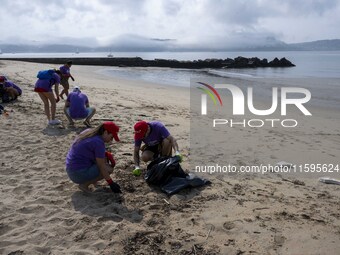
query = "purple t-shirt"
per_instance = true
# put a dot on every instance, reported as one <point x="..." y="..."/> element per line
<point x="78" y="103"/>
<point x="47" y="84"/>
<point x="9" y="84"/>
<point x="65" y="71"/>
<point x="157" y="134"/>
<point x="83" y="154"/>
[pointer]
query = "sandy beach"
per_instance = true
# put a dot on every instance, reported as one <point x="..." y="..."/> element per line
<point x="43" y="212"/>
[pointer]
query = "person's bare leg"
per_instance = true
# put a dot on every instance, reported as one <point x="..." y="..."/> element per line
<point x="91" y="115"/>
<point x="61" y="94"/>
<point x="166" y="148"/>
<point x="85" y="186"/>
<point x="62" y="91"/>
<point x="66" y="86"/>
<point x="147" y="156"/>
<point x="70" y="120"/>
<point x="50" y="97"/>
<point x="46" y="105"/>
<point x="13" y="93"/>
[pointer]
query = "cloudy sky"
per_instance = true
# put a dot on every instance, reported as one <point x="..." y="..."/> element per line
<point x="189" y="23"/>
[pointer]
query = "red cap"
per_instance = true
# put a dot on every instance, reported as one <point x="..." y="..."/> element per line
<point x="112" y="128"/>
<point x="140" y="129"/>
<point x="2" y="79"/>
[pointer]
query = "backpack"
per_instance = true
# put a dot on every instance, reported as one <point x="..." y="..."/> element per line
<point x="45" y="74"/>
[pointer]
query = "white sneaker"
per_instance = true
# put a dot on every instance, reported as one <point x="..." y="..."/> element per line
<point x="54" y="122"/>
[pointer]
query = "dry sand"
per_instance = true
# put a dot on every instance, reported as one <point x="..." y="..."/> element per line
<point x="42" y="212"/>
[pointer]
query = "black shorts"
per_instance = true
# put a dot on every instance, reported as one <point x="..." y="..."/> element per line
<point x="156" y="149"/>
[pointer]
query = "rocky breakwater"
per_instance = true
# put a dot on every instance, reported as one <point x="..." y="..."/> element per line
<point x="239" y="62"/>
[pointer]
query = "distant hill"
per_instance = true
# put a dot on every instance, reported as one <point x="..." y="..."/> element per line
<point x="317" y="45"/>
<point x="320" y="45"/>
<point x="53" y="48"/>
<point x="268" y="45"/>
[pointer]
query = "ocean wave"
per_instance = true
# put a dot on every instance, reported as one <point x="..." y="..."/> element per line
<point x="229" y="74"/>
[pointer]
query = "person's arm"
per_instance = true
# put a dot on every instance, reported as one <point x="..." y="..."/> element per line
<point x="66" y="107"/>
<point x="70" y="75"/>
<point x="103" y="168"/>
<point x="56" y="90"/>
<point x="136" y="156"/>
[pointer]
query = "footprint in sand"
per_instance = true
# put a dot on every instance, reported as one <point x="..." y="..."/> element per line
<point x="115" y="218"/>
<point x="228" y="225"/>
<point x="32" y="209"/>
<point x="279" y="240"/>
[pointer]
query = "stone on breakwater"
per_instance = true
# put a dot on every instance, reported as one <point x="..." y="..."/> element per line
<point x="239" y="62"/>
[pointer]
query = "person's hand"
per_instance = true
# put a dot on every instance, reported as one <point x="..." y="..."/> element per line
<point x="137" y="171"/>
<point x="114" y="186"/>
<point x="179" y="155"/>
<point x="57" y="99"/>
<point x="72" y="78"/>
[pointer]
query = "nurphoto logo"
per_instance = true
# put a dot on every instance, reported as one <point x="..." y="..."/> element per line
<point x="287" y="96"/>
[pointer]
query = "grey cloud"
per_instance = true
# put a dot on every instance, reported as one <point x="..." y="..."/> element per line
<point x="248" y="13"/>
<point x="129" y="6"/>
<point x="236" y="12"/>
<point x="41" y="10"/>
<point x="171" y="7"/>
<point x="130" y="42"/>
<point x="212" y="23"/>
<point x="310" y="6"/>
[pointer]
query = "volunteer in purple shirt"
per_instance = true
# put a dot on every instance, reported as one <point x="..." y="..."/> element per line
<point x="44" y="90"/>
<point x="65" y="75"/>
<point x="77" y="107"/>
<point x="11" y="89"/>
<point x="87" y="162"/>
<point x="158" y="142"/>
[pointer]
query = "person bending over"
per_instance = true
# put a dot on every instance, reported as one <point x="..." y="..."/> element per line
<point x="44" y="89"/>
<point x="77" y="107"/>
<point x="158" y="142"/>
<point x="87" y="162"/>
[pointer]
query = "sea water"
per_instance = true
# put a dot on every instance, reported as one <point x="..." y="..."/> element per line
<point x="318" y="71"/>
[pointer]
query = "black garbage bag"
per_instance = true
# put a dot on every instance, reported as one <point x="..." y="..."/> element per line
<point x="162" y="169"/>
<point x="176" y="184"/>
<point x="167" y="173"/>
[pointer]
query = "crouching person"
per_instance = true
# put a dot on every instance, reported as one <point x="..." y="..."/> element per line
<point x="87" y="162"/>
<point x="10" y="91"/>
<point x="158" y="143"/>
<point x="77" y="107"/>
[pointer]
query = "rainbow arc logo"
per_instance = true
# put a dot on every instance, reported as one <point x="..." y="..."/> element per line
<point x="212" y="93"/>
